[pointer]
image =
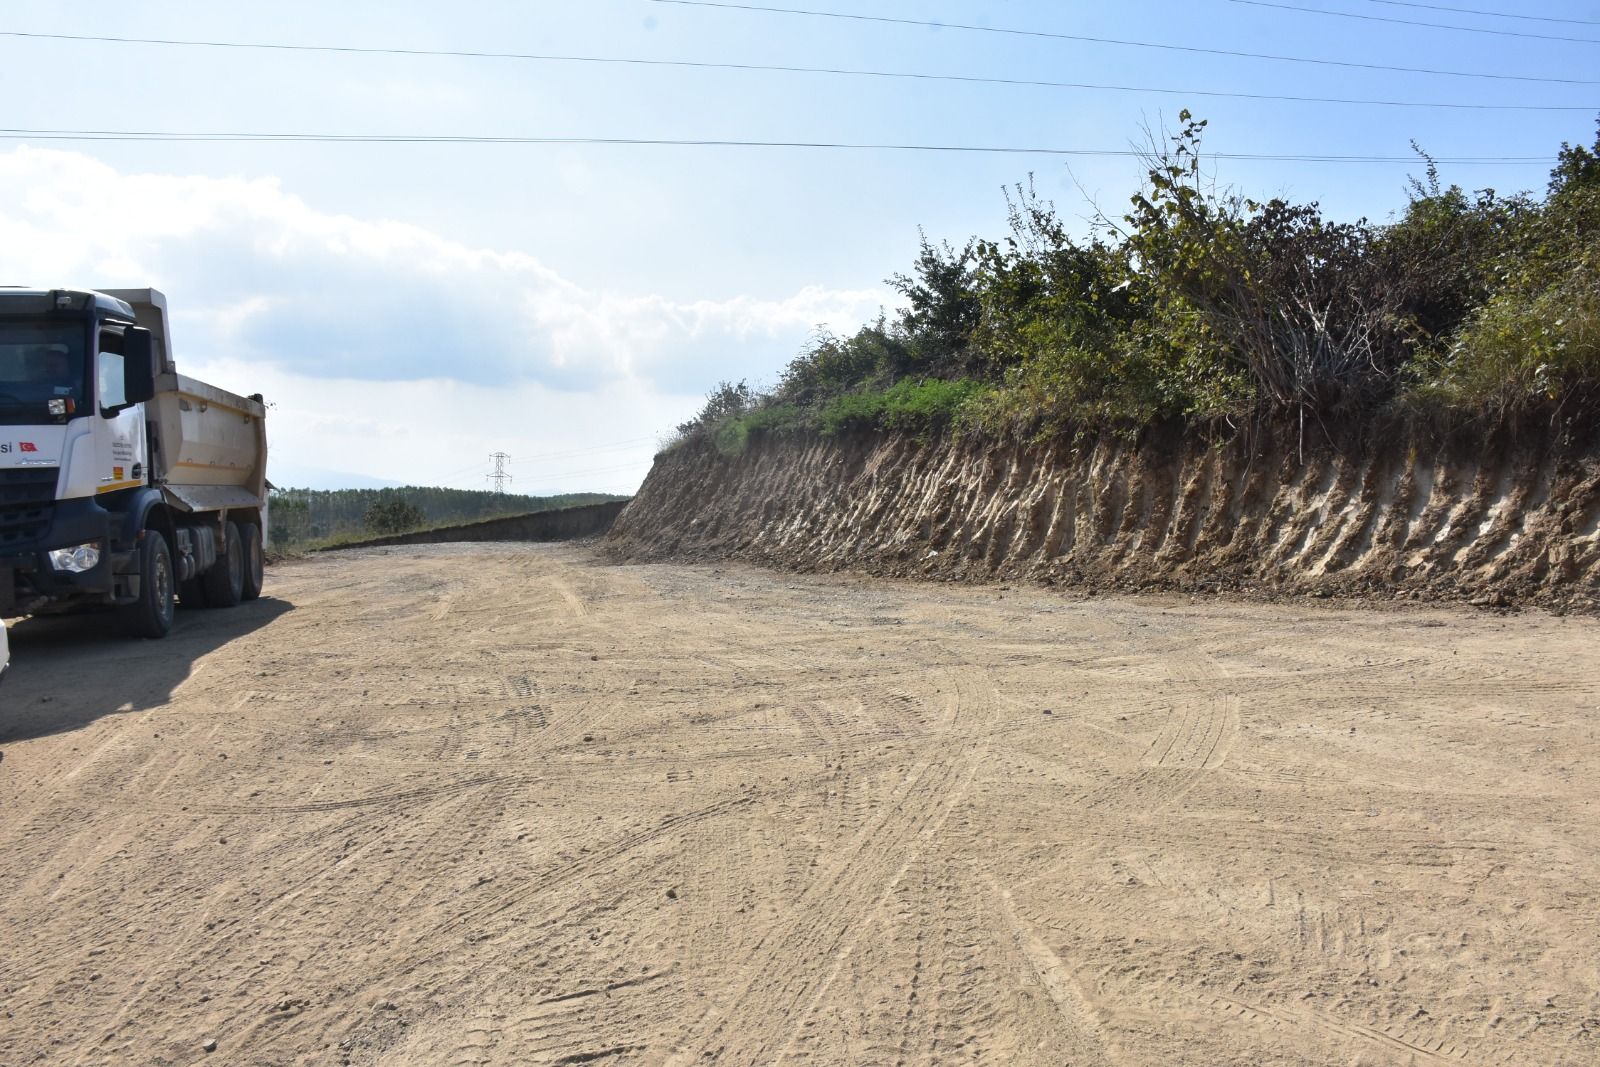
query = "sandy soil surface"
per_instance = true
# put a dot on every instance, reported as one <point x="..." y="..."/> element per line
<point x="501" y="805"/>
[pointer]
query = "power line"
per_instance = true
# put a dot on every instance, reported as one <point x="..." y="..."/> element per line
<point x="1487" y="14"/>
<point x="583" y="450"/>
<point x="597" y="472"/>
<point x="459" y="471"/>
<point x="384" y="138"/>
<point x="1051" y="35"/>
<point x="970" y="79"/>
<point x="1415" y="22"/>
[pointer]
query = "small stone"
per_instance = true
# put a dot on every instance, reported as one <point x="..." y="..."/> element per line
<point x="672" y="894"/>
<point x="209" y="1044"/>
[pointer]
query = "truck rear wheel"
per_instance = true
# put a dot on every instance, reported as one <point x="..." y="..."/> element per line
<point x="250" y="538"/>
<point x="224" y="581"/>
<point x="151" y="615"/>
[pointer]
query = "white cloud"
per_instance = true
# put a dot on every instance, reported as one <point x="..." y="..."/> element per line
<point x="390" y="350"/>
<point x="440" y="432"/>
<point x="253" y="270"/>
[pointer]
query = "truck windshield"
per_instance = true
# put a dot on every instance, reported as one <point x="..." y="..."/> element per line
<point x="40" y="362"/>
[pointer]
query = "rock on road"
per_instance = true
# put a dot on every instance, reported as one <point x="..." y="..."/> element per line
<point x="498" y="804"/>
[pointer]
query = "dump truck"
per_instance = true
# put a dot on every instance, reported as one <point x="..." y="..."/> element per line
<point x="124" y="485"/>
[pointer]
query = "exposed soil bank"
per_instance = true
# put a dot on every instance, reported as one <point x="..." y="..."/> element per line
<point x="1390" y="511"/>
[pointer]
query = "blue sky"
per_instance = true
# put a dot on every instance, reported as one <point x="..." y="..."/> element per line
<point x="411" y="308"/>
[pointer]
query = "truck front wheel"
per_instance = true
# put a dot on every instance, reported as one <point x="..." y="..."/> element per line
<point x="224" y="581"/>
<point x="151" y="615"/>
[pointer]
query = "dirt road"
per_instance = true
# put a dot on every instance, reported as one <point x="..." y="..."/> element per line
<point x="501" y="805"/>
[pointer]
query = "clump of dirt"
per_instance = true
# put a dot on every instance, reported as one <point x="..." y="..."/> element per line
<point x="1376" y="512"/>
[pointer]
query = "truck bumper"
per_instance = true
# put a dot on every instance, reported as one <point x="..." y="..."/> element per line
<point x="26" y="577"/>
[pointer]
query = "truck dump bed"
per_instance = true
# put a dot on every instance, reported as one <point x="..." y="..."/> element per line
<point x="210" y="445"/>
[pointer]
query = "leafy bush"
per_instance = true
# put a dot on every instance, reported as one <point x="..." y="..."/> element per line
<point x="727" y="400"/>
<point x="942" y="310"/>
<point x="732" y="436"/>
<point x="393" y="515"/>
<point x="834" y="365"/>
<point x="1201" y="304"/>
<point x="1520" y="352"/>
<point x="1533" y="341"/>
<point x="1438" y="262"/>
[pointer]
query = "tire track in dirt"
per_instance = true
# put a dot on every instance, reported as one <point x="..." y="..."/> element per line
<point x="1374" y="1039"/>
<point x="1089" y="1042"/>
<point x="786" y="981"/>
<point x="1193" y="742"/>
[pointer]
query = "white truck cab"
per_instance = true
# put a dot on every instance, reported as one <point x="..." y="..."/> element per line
<point x="122" y="482"/>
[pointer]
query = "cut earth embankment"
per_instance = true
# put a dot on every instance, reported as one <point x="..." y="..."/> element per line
<point x="1398" y="510"/>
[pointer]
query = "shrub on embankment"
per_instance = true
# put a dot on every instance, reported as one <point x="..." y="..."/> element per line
<point x="1206" y="307"/>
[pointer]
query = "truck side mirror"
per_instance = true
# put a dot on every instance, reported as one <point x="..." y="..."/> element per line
<point x="138" y="365"/>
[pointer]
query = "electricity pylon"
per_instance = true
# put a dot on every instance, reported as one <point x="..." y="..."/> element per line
<point x="499" y="476"/>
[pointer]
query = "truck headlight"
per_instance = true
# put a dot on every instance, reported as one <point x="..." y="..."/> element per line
<point x="77" y="559"/>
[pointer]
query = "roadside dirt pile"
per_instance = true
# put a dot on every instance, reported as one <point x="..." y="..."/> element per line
<point x="1385" y="512"/>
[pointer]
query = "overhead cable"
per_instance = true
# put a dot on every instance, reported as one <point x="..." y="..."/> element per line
<point x="1415" y="22"/>
<point x="565" y="475"/>
<point x="1487" y="14"/>
<point x="634" y="444"/>
<point x="1121" y="42"/>
<point x="383" y="138"/>
<point x="970" y="79"/>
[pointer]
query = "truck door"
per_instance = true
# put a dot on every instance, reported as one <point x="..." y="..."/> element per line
<point x="120" y="455"/>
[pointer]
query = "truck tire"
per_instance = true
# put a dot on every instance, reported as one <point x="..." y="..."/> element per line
<point x="151" y="615"/>
<point x="250" y="538"/>
<point x="224" y="581"/>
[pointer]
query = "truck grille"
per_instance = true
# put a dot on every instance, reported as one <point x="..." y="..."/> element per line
<point x="27" y="499"/>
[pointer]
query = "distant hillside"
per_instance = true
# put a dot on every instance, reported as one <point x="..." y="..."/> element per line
<point x="303" y="515"/>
